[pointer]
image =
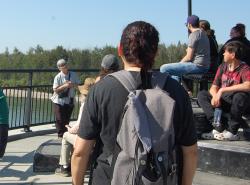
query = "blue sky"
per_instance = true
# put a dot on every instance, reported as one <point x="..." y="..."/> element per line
<point x="95" y="23"/>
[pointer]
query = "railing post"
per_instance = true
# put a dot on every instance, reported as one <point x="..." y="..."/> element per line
<point x="189" y="11"/>
<point x="189" y="7"/>
<point x="28" y="109"/>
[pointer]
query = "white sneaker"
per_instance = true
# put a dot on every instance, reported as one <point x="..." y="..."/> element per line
<point x="227" y="136"/>
<point x="210" y="135"/>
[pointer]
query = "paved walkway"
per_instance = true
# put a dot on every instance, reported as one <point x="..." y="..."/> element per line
<point x="16" y="167"/>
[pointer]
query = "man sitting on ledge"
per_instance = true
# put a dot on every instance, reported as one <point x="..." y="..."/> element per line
<point x="197" y="58"/>
<point x="230" y="92"/>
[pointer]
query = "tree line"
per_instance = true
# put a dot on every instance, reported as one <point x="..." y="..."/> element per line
<point x="39" y="58"/>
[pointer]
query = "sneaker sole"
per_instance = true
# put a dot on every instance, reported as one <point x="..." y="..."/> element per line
<point x="64" y="175"/>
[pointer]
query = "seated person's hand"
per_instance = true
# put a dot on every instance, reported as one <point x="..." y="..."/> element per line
<point x="68" y="127"/>
<point x="215" y="101"/>
<point x="69" y="84"/>
<point x="73" y="129"/>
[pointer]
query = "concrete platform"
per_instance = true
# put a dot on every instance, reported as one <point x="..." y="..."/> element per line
<point x="202" y="178"/>
<point x="17" y="165"/>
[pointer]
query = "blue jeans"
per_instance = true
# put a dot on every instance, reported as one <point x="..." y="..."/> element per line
<point x="176" y="70"/>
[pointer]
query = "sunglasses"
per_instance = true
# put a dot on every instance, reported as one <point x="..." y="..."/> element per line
<point x="62" y="66"/>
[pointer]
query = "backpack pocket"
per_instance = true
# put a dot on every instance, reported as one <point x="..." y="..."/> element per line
<point x="145" y="181"/>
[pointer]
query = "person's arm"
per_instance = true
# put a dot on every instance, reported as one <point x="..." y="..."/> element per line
<point x="215" y="101"/>
<point x="239" y="87"/>
<point x="189" y="55"/>
<point x="213" y="90"/>
<point x="190" y="156"/>
<point x="74" y="129"/>
<point x="62" y="87"/>
<point x="80" y="158"/>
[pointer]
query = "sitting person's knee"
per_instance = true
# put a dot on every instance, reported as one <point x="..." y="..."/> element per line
<point x="65" y="135"/>
<point x="202" y="94"/>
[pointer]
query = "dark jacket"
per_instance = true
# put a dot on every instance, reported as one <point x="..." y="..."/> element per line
<point x="246" y="55"/>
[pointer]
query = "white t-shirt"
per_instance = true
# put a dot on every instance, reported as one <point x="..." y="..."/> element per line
<point x="59" y="80"/>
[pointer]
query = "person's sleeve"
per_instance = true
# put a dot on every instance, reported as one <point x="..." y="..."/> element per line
<point x="246" y="74"/>
<point x="193" y="40"/>
<point x="89" y="126"/>
<point x="56" y="82"/>
<point x="187" y="134"/>
<point x="217" y="78"/>
<point x="185" y="131"/>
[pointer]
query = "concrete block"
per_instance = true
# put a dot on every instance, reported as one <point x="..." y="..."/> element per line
<point x="46" y="157"/>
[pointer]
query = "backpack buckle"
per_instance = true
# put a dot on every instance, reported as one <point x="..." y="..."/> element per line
<point x="173" y="169"/>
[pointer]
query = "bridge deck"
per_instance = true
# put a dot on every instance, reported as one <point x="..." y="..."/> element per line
<point x="16" y="167"/>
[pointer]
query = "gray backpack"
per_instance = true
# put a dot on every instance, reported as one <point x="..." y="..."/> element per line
<point x="146" y="136"/>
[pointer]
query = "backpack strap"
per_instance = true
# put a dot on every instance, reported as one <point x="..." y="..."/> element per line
<point x="159" y="79"/>
<point x="126" y="79"/>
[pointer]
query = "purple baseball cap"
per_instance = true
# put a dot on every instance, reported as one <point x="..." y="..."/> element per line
<point x="193" y="20"/>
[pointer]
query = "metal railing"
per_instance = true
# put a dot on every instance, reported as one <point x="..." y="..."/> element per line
<point x="30" y="105"/>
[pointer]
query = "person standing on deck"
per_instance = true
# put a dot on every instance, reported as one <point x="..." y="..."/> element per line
<point x="63" y="97"/>
<point x="4" y="123"/>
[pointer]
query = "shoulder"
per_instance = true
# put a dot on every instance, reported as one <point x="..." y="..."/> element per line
<point x="247" y="42"/>
<point x="194" y="34"/>
<point x="106" y="86"/>
<point x="244" y="66"/>
<point x="222" y="67"/>
<point x="175" y="90"/>
<point x="107" y="82"/>
<point x="58" y="77"/>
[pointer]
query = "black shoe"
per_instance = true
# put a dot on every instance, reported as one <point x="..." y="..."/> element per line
<point x="63" y="171"/>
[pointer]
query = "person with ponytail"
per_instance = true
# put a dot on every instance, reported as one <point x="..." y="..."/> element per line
<point x="205" y="26"/>
<point x="105" y="103"/>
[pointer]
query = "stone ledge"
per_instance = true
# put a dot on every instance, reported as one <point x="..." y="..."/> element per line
<point x="230" y="159"/>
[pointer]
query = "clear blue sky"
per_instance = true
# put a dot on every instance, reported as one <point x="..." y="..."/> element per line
<point x="96" y="23"/>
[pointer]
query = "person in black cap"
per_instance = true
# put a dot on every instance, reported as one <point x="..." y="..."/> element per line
<point x="197" y="58"/>
<point x="110" y="64"/>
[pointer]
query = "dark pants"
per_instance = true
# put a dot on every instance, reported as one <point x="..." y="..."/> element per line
<point x="234" y="103"/>
<point x="63" y="114"/>
<point x="187" y="84"/>
<point x="3" y="138"/>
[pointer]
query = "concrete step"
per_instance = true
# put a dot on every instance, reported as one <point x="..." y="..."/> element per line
<point x="230" y="159"/>
<point x="204" y="178"/>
